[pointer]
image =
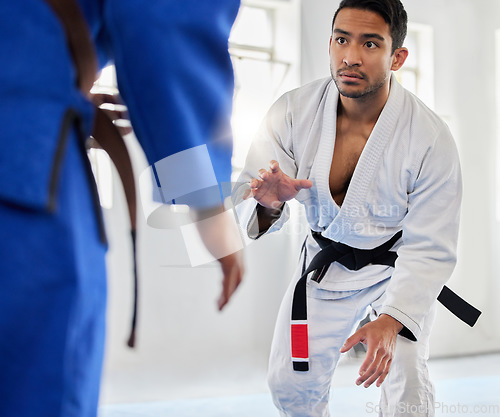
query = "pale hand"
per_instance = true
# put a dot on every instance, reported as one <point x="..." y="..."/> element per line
<point x="380" y="338"/>
<point x="232" y="270"/>
<point x="221" y="237"/>
<point x="274" y="187"/>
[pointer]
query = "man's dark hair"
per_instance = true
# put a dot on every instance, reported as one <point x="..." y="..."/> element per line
<point x="392" y="11"/>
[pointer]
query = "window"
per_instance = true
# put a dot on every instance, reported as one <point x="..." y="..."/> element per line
<point x="265" y="50"/>
<point x="416" y="75"/>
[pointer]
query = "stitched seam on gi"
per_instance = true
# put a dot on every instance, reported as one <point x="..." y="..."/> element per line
<point x="402" y="312"/>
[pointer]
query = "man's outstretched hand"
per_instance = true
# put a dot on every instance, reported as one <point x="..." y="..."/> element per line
<point x="380" y="338"/>
<point x="274" y="187"/>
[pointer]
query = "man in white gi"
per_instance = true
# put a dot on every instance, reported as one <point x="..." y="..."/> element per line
<point x="372" y="165"/>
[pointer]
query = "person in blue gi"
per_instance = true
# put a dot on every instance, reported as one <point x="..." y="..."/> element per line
<point x="175" y="76"/>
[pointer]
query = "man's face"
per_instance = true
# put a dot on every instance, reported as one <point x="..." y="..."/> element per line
<point x="360" y="53"/>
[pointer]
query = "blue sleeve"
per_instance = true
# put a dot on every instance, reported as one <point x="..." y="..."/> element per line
<point x="175" y="76"/>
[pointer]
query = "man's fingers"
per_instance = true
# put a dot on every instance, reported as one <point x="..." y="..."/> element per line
<point x="369" y="365"/>
<point x="263" y="174"/>
<point x="233" y="271"/>
<point x="380" y="338"/>
<point x="368" y="362"/>
<point x="374" y="368"/>
<point x="385" y="373"/>
<point x="301" y="184"/>
<point x="247" y="194"/>
<point x="255" y="183"/>
<point x="307" y="183"/>
<point x="274" y="166"/>
<point x="223" y="298"/>
<point x="222" y="301"/>
<point x="351" y="342"/>
<point x="370" y="374"/>
<point x="229" y="285"/>
<point x="377" y="372"/>
<point x="250" y="192"/>
<point x="368" y="380"/>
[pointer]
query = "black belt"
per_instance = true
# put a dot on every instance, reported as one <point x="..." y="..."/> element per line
<point x="353" y="259"/>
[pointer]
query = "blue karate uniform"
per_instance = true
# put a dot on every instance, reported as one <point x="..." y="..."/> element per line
<point x="175" y="77"/>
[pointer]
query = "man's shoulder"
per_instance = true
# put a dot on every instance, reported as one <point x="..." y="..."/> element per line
<point x="306" y="97"/>
<point x="421" y="114"/>
<point x="425" y="127"/>
<point x="312" y="90"/>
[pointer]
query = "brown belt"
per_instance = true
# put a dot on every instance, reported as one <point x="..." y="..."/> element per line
<point x="104" y="131"/>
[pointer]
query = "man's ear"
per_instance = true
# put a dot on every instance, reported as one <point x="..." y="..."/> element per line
<point x="399" y="58"/>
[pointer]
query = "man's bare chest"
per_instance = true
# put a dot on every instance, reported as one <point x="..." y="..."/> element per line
<point x="347" y="150"/>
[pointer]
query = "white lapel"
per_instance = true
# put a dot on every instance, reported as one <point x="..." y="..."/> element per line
<point x="320" y="170"/>
<point x="366" y="168"/>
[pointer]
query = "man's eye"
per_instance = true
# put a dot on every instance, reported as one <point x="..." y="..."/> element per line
<point x="370" y="45"/>
<point x="341" y="41"/>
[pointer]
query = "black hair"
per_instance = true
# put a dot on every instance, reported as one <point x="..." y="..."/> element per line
<point x="392" y="11"/>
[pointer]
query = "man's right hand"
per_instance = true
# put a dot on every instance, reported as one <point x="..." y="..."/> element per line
<point x="275" y="187"/>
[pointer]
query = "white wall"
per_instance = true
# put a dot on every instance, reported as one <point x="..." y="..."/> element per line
<point x="465" y="92"/>
<point x="185" y="347"/>
<point x="184" y="344"/>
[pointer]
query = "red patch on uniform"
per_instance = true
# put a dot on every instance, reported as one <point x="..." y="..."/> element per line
<point x="300" y="348"/>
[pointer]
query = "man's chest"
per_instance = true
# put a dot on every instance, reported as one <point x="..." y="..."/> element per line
<point x="347" y="150"/>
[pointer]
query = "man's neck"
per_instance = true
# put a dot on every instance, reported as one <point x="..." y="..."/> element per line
<point x="364" y="110"/>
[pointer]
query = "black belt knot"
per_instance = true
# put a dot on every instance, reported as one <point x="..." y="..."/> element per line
<point x="354" y="258"/>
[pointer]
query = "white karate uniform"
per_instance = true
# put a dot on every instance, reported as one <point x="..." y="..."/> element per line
<point x="407" y="178"/>
<point x="333" y="316"/>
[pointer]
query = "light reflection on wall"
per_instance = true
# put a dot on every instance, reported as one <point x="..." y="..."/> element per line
<point x="497" y="78"/>
<point x="266" y="63"/>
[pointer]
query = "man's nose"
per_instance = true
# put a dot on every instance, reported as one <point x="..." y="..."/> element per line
<point x="352" y="56"/>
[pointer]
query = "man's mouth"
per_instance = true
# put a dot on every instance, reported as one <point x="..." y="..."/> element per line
<point x="350" y="75"/>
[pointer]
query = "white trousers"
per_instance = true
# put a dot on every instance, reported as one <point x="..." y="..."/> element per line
<point x="333" y="317"/>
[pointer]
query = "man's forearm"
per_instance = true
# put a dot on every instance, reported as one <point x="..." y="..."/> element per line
<point x="267" y="216"/>
<point x="264" y="219"/>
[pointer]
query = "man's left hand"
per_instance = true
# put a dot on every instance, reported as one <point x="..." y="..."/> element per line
<point x="380" y="338"/>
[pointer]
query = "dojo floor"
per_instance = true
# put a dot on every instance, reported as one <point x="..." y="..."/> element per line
<point x="465" y="386"/>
